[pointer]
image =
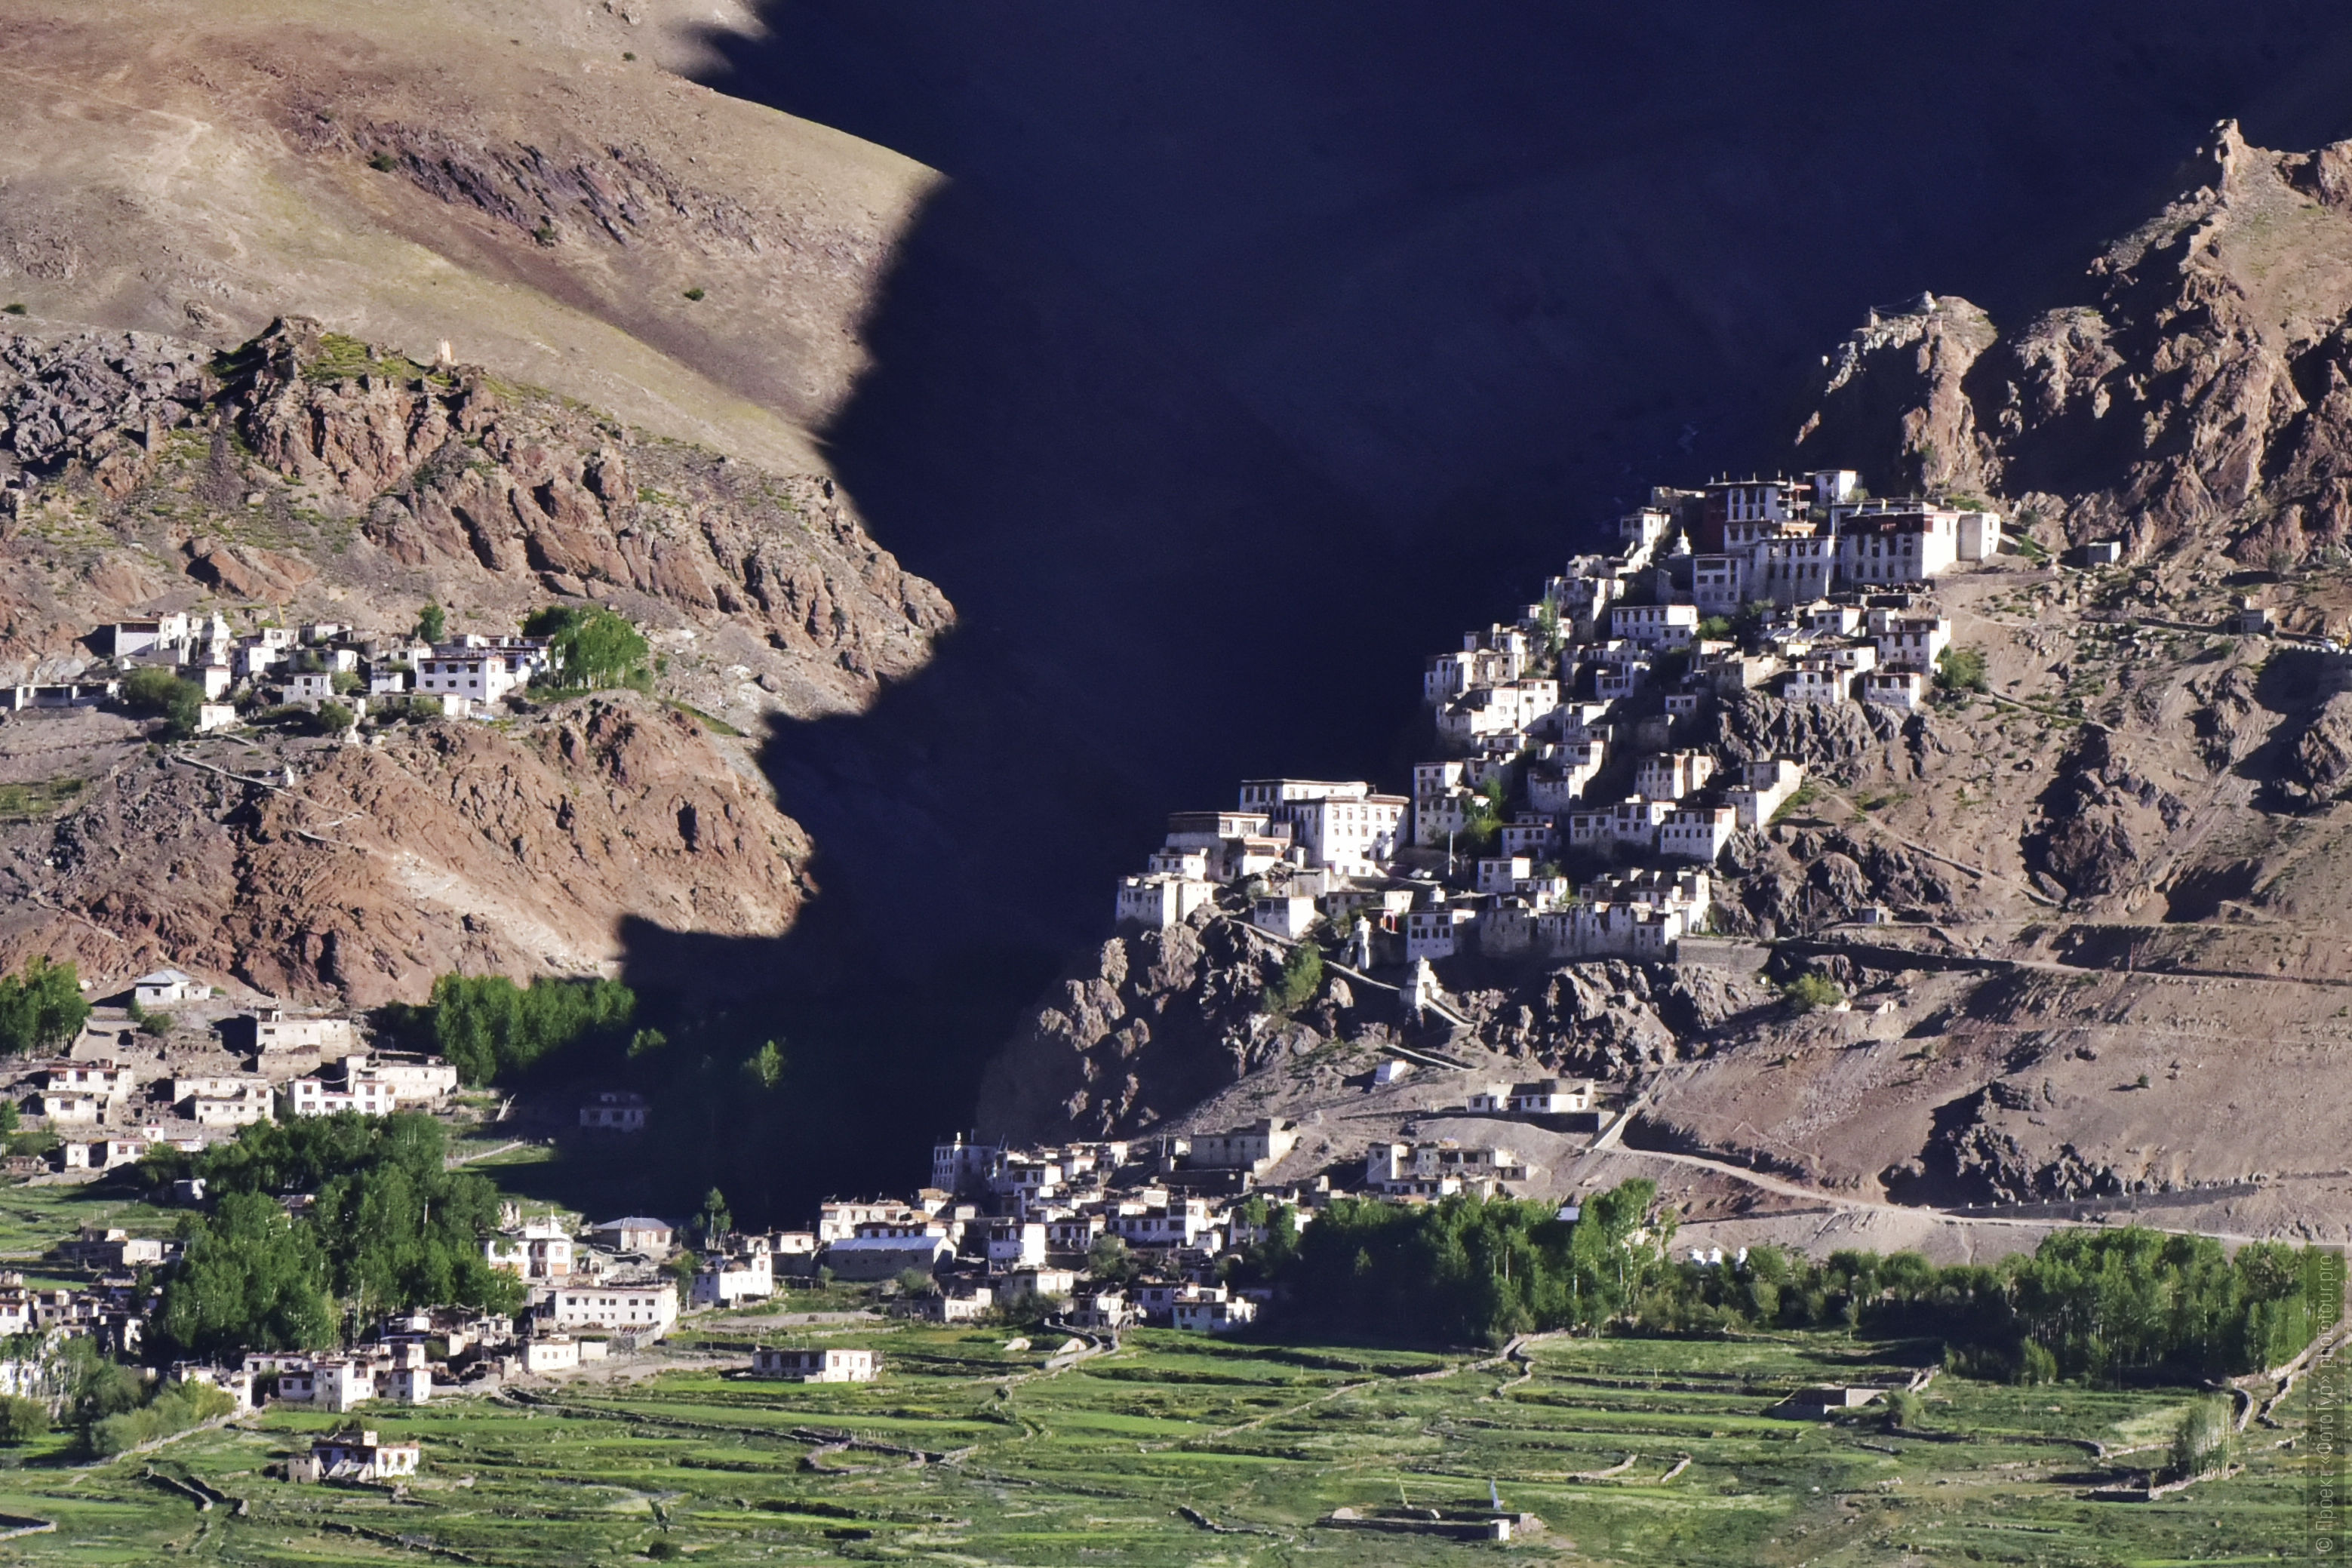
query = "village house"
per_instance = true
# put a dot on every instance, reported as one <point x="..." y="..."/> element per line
<point x="723" y="1282"/>
<point x="652" y="1237"/>
<point x="329" y="1382"/>
<point x="825" y="1365"/>
<point x="539" y="1250"/>
<point x="365" y="1457"/>
<point x="1902" y="690"/>
<point x="315" y="1097"/>
<point x="1038" y="1280"/>
<point x="883" y="1249"/>
<point x="1215" y="1317"/>
<point x="1764" y="788"/>
<point x="100" y="1154"/>
<point x="167" y="988"/>
<point x="236" y="1384"/>
<point x="416" y="1077"/>
<point x="1651" y="626"/>
<point x="102" y="1079"/>
<point x="647" y="1311"/>
<point x="69" y="1109"/>
<point x="481" y="671"/>
<point x="1156" y="900"/>
<point x="1434" y="934"/>
<point x="1255" y="1148"/>
<point x="1913" y="641"/>
<point x="1016" y="1244"/>
<point x="270" y="1029"/>
<point x="405" y="1384"/>
<point x="614" y="1110"/>
<point x="105" y="1250"/>
<point x="1285" y="915"/>
<point x="1696" y="833"/>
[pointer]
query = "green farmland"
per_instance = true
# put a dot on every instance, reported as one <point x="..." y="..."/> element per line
<point x="1098" y="1464"/>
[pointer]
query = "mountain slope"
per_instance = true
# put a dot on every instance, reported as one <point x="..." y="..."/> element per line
<point x="2090" y="920"/>
<point x="2202" y="398"/>
<point x="494" y="176"/>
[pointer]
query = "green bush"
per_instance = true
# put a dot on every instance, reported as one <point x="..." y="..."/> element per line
<point x="595" y="648"/>
<point x="1301" y="978"/>
<point x="2204" y="1441"/>
<point x="157" y="692"/>
<point x="21" y="1420"/>
<point x="332" y="718"/>
<point x="176" y="1409"/>
<point x="1906" y="1411"/>
<point x="1808" y="992"/>
<point x="41" y="1008"/>
<point x="432" y="622"/>
<point x="1961" y="669"/>
<point x="489" y="1028"/>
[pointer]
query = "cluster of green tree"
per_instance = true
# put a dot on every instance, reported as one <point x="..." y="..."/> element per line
<point x="2098" y="1305"/>
<point x="41" y="1007"/>
<point x="596" y="649"/>
<point x="1468" y="1270"/>
<point x="490" y="1029"/>
<point x="389" y="1227"/>
<point x="1301" y="978"/>
<point x="112" y="1408"/>
<point x="156" y="690"/>
<point x="1961" y="669"/>
<point x="1489" y="808"/>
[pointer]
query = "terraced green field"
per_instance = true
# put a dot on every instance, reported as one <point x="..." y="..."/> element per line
<point x="1099" y="1463"/>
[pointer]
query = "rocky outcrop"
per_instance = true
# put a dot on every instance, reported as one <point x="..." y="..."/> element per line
<point x="104" y="400"/>
<point x="1844" y="740"/>
<point x="362" y="872"/>
<point x="372" y="479"/>
<point x="2205" y="393"/>
<point x="1613" y="1019"/>
<point x="1893" y="401"/>
<point x="1982" y="1150"/>
<point x="1795" y="880"/>
<point x="2099" y="819"/>
<point x="2320" y="762"/>
<point x="1155" y="1023"/>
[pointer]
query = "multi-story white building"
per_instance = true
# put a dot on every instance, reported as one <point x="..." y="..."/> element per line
<point x="834" y="1365"/>
<point x="1355" y="834"/>
<point x="315" y="1097"/>
<point x="1902" y="689"/>
<point x="1670" y="775"/>
<point x="1156" y="900"/>
<point x="1763" y="788"/>
<point x="1434" y="934"/>
<point x="621" y="1308"/>
<point x="1697" y="833"/>
<point x="1911" y="640"/>
<point x="482" y="670"/>
<point x="275" y="1029"/>
<point x="1654" y="625"/>
<point x="722" y="1282"/>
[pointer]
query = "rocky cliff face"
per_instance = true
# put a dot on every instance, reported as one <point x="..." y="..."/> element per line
<point x="314" y="475"/>
<point x="314" y="870"/>
<point x="2201" y="397"/>
<point x="307" y="477"/>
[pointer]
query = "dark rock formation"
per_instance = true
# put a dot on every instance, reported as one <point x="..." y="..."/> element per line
<point x="2205" y="393"/>
<point x="2098" y="818"/>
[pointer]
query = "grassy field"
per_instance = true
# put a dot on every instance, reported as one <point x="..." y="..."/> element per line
<point x="1098" y="1464"/>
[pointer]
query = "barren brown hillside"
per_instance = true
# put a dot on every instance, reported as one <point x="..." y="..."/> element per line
<point x="495" y="175"/>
